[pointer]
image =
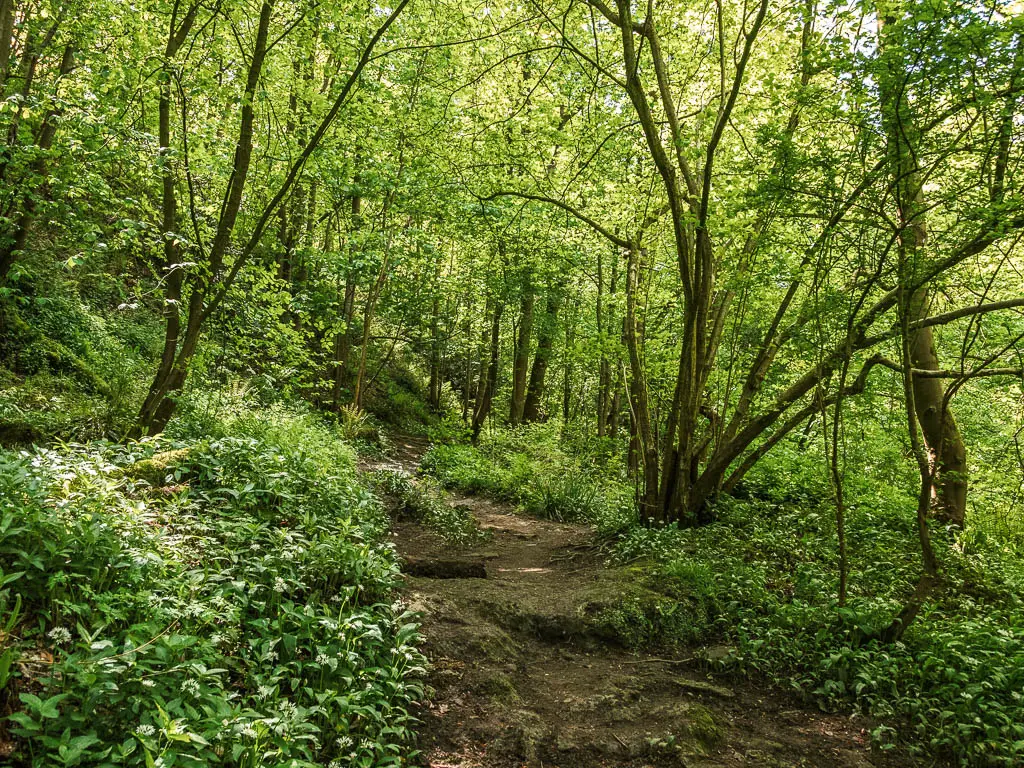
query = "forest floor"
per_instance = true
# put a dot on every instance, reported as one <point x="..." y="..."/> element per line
<point x="522" y="676"/>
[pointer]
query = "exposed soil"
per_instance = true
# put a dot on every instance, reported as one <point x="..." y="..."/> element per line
<point x="524" y="672"/>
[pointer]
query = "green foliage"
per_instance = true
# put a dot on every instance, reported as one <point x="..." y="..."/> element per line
<point x="425" y="502"/>
<point x="653" y="614"/>
<point x="397" y="400"/>
<point x="70" y="372"/>
<point x="239" y="613"/>
<point x="450" y="429"/>
<point x="528" y="467"/>
<point x="766" y="572"/>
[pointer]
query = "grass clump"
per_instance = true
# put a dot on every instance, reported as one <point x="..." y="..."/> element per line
<point x="238" y="612"/>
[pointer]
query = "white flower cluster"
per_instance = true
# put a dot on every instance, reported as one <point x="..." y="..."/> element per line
<point x="59" y="635"/>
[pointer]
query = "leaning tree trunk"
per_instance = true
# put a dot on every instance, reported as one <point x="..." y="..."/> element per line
<point x="174" y="275"/>
<point x="160" y="403"/>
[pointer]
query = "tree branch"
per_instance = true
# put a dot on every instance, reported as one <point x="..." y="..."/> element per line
<point x="565" y="207"/>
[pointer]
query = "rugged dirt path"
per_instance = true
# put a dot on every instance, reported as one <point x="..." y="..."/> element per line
<point x="522" y="678"/>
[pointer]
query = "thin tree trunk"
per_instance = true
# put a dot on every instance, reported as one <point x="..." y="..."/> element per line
<point x="489" y="382"/>
<point x="567" y="369"/>
<point x="7" y="12"/>
<point x="174" y="274"/>
<point x="545" y="344"/>
<point x="18" y="236"/>
<point x="603" y="372"/>
<point x="521" y="355"/>
<point x="159" y="405"/>
<point x="343" y="339"/>
<point x="434" y="388"/>
<point x="647" y="451"/>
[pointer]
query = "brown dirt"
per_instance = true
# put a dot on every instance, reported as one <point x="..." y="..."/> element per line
<point x="523" y="675"/>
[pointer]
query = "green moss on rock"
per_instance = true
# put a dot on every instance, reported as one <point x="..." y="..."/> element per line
<point x="155" y="469"/>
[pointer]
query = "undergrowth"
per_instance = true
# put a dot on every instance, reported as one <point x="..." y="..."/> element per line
<point x="760" y="582"/>
<point x="235" y="608"/>
<point x="528" y="467"/>
<point x="423" y="501"/>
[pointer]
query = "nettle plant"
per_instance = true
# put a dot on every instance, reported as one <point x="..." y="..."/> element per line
<point x="237" y="610"/>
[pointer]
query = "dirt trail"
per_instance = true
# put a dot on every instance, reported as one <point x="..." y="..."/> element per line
<point x="523" y="675"/>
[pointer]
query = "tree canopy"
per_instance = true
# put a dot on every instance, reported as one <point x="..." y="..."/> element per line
<point x="693" y="236"/>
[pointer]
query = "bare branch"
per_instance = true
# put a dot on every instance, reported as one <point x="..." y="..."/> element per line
<point x="565" y="207"/>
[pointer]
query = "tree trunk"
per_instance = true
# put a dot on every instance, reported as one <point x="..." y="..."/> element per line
<point x="490" y="381"/>
<point x="214" y="282"/>
<point x="612" y="421"/>
<point x="521" y="356"/>
<point x="160" y="404"/>
<point x="18" y="235"/>
<point x="174" y="273"/>
<point x="946" y="449"/>
<point x="646" y="449"/>
<point x="941" y="433"/>
<point x="343" y="340"/>
<point x="603" y="369"/>
<point x="6" y="33"/>
<point x="545" y="343"/>
<point x="567" y="371"/>
<point x="436" y="377"/>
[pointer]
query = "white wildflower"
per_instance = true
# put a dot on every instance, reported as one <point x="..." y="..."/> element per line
<point x="279" y="585"/>
<point x="191" y="687"/>
<point x="145" y="730"/>
<point x="59" y="635"/>
<point x="344" y="742"/>
<point x="148" y="683"/>
<point x="265" y="691"/>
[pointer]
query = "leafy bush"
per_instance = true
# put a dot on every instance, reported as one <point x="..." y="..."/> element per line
<point x="424" y="502"/>
<point x="237" y="613"/>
